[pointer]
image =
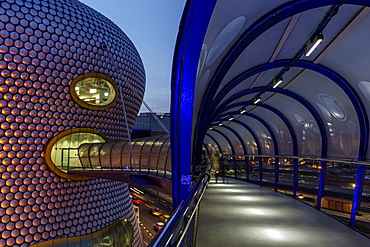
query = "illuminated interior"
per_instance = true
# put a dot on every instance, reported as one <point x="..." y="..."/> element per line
<point x="64" y="148"/>
<point x="94" y="91"/>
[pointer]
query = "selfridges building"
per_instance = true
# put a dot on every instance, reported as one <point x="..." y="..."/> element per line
<point x="68" y="76"/>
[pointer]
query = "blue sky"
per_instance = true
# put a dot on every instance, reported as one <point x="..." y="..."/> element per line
<point x="152" y="26"/>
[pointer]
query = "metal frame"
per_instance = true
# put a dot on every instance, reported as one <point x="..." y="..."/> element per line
<point x="192" y="147"/>
<point x="193" y="26"/>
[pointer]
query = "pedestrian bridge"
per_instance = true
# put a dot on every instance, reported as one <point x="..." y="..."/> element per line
<point x="143" y="161"/>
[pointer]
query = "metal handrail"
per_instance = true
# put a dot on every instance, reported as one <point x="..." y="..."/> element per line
<point x="176" y="228"/>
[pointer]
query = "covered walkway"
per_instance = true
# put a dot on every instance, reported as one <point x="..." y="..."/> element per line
<point x="279" y="92"/>
<point x="234" y="213"/>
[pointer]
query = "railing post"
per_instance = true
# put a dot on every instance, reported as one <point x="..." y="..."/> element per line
<point x="356" y="203"/>
<point x="295" y="177"/>
<point x="322" y="179"/>
<point x="247" y="168"/>
<point x="276" y="173"/>
<point x="235" y="176"/>
<point x="222" y="164"/>
<point x="261" y="169"/>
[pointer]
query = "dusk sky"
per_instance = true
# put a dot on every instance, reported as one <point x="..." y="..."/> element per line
<point x="152" y="26"/>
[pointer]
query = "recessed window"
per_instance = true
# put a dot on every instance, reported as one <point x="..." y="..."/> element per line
<point x="94" y="91"/>
<point x="62" y="150"/>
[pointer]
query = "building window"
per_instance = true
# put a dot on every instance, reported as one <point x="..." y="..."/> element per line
<point x="62" y="151"/>
<point x="94" y="91"/>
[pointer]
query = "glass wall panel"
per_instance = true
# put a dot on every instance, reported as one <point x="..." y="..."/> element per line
<point x="210" y="145"/>
<point x="336" y="111"/>
<point x="266" y="143"/>
<point x="83" y="152"/>
<point x="224" y="145"/>
<point x="162" y="165"/>
<point x="115" y="153"/>
<point x="168" y="159"/>
<point x="155" y="152"/>
<point x="137" y="146"/>
<point x="305" y="126"/>
<point x="249" y="141"/>
<point x="105" y="157"/>
<point x="125" y="153"/>
<point x="355" y="72"/>
<point x="145" y="152"/>
<point x="281" y="132"/>
<point x="238" y="149"/>
<point x="94" y="153"/>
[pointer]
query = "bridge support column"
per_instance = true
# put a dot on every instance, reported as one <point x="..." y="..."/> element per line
<point x="356" y="203"/>
<point x="247" y="168"/>
<point x="295" y="177"/>
<point x="261" y="169"/>
<point x="320" y="193"/>
<point x="276" y="173"/>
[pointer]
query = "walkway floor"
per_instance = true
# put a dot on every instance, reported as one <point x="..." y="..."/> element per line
<point x="235" y="213"/>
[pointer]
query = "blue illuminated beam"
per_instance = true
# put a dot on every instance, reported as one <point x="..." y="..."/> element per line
<point x="193" y="26"/>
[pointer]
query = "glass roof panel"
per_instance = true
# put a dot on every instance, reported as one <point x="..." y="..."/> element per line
<point x="224" y="145"/>
<point x="336" y="111"/>
<point x="281" y="131"/>
<point x="305" y="126"/>
<point x="267" y="145"/>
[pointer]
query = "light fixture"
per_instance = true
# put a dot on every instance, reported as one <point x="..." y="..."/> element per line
<point x="300" y="196"/>
<point x="241" y="111"/>
<point x="210" y="128"/>
<point x="106" y="94"/>
<point x="220" y="124"/>
<point x="93" y="90"/>
<point x="256" y="100"/>
<point x="277" y="82"/>
<point x="313" y="44"/>
<point x="77" y="88"/>
<point x="231" y="118"/>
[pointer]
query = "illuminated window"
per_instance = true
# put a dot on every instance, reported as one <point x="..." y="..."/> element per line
<point x="62" y="150"/>
<point x="94" y="91"/>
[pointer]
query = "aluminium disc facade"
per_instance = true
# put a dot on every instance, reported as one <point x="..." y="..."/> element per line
<point x="45" y="46"/>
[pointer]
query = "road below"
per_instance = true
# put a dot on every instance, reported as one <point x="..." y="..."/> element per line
<point x="150" y="200"/>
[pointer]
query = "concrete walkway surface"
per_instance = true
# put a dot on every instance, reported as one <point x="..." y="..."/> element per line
<point x="235" y="213"/>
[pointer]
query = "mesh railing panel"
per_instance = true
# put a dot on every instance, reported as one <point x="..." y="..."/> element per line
<point x="339" y="190"/>
<point x="190" y="235"/>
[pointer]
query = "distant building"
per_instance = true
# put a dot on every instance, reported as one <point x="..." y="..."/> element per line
<point x="146" y="124"/>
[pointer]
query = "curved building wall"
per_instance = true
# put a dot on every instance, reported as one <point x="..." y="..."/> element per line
<point x="44" y="46"/>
